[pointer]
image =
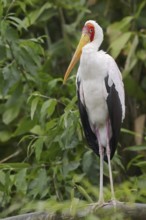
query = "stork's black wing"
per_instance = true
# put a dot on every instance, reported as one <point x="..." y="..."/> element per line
<point x="115" y="114"/>
<point x="90" y="136"/>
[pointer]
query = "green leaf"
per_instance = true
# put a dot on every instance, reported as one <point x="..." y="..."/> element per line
<point x="127" y="131"/>
<point x="34" y="16"/>
<point x="10" y="114"/>
<point x="134" y="160"/>
<point x="34" y="104"/>
<point x="78" y="178"/>
<point x="67" y="167"/>
<point x="141" y="164"/>
<point x="136" y="148"/>
<point x="84" y="193"/>
<point x="38" y="146"/>
<point x="140" y="8"/>
<point x="37" y="130"/>
<point x="17" y="22"/>
<point x="11" y="78"/>
<point x="131" y="58"/>
<point x="141" y="54"/>
<point x="119" y="44"/>
<point x="13" y="165"/>
<point x="5" y="136"/>
<point x="32" y="50"/>
<point x="74" y="206"/>
<point x="115" y="29"/>
<point x="1" y="9"/>
<point x="20" y="181"/>
<point x="39" y="186"/>
<point x="2" y="177"/>
<point x="120" y="25"/>
<point x="51" y="124"/>
<point x="53" y="83"/>
<point x="23" y="127"/>
<point x="2" y="52"/>
<point x="34" y="94"/>
<point x="11" y="35"/>
<point x="87" y="161"/>
<point x="48" y="108"/>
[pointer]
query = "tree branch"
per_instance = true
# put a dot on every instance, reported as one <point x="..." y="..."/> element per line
<point x="133" y="211"/>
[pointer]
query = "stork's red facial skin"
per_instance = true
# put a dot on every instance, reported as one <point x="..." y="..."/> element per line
<point x="89" y="29"/>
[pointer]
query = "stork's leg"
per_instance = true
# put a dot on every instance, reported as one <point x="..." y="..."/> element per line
<point x="101" y="198"/>
<point x="108" y="152"/>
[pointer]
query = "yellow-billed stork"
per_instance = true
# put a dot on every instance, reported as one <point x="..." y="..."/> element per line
<point x="101" y="97"/>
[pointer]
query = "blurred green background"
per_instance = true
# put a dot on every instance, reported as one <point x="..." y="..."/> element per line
<point x="45" y="163"/>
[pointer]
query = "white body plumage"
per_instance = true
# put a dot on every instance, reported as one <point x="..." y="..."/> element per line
<point x="94" y="67"/>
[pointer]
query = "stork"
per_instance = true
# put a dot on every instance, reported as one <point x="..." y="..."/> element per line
<point x="101" y="98"/>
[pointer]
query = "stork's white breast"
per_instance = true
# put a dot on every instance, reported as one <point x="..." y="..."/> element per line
<point x="92" y="71"/>
<point x="95" y="102"/>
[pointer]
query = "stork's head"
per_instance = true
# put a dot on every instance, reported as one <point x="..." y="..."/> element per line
<point x="94" y="31"/>
<point x="91" y="32"/>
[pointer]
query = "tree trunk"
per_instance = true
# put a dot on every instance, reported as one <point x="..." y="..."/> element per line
<point x="135" y="211"/>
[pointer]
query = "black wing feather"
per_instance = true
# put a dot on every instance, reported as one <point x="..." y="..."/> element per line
<point x="115" y="115"/>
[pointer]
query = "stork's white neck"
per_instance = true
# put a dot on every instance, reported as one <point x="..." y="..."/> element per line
<point x="92" y="46"/>
<point x="95" y="44"/>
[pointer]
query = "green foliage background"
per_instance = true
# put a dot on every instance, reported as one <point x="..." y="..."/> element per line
<point x="44" y="159"/>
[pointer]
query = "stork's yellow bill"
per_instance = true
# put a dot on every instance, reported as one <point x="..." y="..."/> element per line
<point x="85" y="38"/>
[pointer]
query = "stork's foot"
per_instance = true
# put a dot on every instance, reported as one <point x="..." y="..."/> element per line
<point x="114" y="203"/>
<point x="97" y="205"/>
<point x="101" y="203"/>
